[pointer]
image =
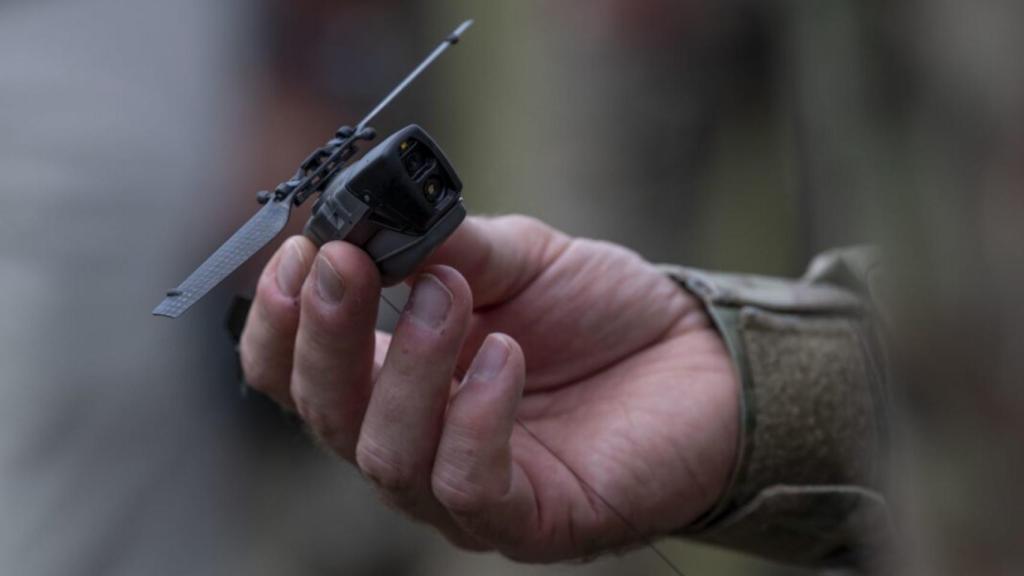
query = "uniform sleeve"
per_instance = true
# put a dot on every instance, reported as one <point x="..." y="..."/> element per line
<point x="804" y="489"/>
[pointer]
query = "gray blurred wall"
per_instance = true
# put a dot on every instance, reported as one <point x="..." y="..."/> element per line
<point x="126" y="447"/>
<point x="125" y="444"/>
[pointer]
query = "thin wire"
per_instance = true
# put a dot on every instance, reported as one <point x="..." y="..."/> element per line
<point x="622" y="517"/>
<point x="451" y="40"/>
<point x="391" y="304"/>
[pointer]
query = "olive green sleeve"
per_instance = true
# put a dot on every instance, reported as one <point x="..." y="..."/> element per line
<point x="804" y="487"/>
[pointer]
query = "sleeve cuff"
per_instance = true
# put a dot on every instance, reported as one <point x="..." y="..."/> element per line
<point x="802" y="490"/>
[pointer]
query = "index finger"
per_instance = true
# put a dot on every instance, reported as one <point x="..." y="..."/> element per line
<point x="268" y="339"/>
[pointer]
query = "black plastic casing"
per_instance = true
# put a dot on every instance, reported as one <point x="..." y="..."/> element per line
<point x="380" y="203"/>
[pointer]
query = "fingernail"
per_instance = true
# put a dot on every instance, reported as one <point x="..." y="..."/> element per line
<point x="430" y="301"/>
<point x="490" y="359"/>
<point x="291" y="269"/>
<point x="329" y="285"/>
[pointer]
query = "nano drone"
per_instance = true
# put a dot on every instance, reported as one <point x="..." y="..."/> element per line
<point x="398" y="202"/>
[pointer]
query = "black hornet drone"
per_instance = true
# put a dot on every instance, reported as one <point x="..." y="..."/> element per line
<point x="398" y="202"/>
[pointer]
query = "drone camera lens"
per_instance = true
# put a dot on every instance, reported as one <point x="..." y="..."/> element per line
<point x="413" y="163"/>
<point x="432" y="189"/>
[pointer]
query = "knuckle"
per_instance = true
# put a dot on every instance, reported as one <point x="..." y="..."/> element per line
<point x="610" y="250"/>
<point x="383" y="468"/>
<point x="458" y="481"/>
<point x="457" y="493"/>
<point x="325" y="424"/>
<point x="524" y="224"/>
<point x="548" y="242"/>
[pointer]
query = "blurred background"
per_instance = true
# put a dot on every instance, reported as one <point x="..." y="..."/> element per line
<point x="134" y="135"/>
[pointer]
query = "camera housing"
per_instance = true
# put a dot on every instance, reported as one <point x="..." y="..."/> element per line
<point x="397" y="203"/>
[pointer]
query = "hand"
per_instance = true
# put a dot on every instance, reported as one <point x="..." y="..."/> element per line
<point x="536" y="387"/>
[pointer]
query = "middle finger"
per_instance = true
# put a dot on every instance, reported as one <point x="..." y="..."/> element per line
<point x="334" y="348"/>
<point x="403" y="422"/>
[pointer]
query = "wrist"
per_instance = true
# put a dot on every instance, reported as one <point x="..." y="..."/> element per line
<point x="809" y="416"/>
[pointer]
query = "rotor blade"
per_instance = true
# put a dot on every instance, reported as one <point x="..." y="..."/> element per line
<point x="253" y="235"/>
<point x="451" y="40"/>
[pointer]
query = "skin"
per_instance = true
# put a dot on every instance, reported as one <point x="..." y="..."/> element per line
<point x="544" y="396"/>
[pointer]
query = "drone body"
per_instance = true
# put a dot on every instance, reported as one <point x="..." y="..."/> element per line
<point x="397" y="203"/>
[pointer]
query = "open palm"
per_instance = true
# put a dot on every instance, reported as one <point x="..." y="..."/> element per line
<point x="544" y="396"/>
